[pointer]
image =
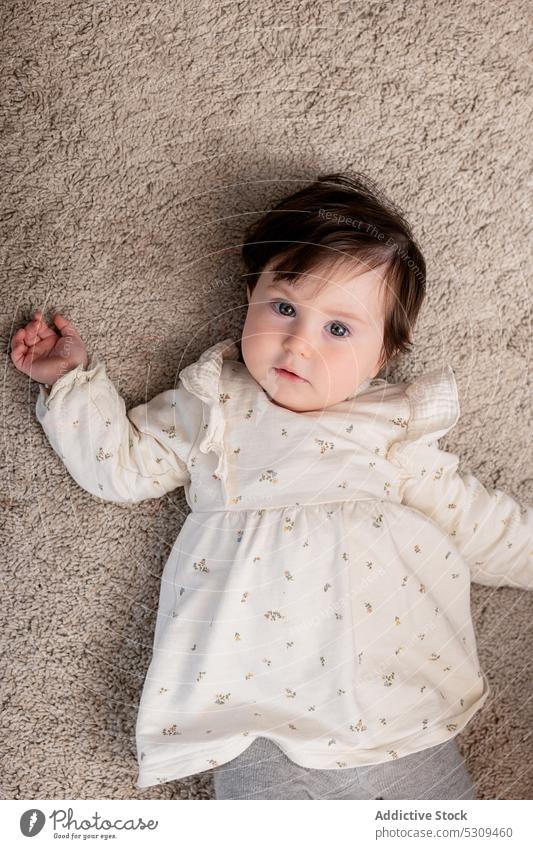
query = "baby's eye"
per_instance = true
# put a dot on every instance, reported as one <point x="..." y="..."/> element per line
<point x="335" y="324"/>
<point x="342" y="327"/>
<point x="281" y="304"/>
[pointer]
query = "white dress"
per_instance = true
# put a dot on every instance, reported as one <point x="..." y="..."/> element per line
<point x="318" y="591"/>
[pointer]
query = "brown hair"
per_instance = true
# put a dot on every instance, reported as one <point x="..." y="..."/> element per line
<point x="336" y="217"/>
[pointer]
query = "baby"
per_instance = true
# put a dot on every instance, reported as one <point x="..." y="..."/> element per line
<point x="314" y="637"/>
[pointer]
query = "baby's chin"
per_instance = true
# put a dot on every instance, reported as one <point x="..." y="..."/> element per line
<point x="299" y="399"/>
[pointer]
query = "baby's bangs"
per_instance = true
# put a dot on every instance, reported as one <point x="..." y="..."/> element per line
<point x="321" y="261"/>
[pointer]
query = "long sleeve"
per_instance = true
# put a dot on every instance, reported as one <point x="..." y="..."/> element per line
<point x="493" y="532"/>
<point x="113" y="454"/>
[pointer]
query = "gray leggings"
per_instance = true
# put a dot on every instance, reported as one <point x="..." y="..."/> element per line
<point x="263" y="771"/>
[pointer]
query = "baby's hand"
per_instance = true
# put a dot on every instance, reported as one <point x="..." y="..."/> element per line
<point x="43" y="354"/>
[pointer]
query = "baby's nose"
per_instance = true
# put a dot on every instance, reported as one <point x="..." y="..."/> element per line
<point x="299" y="345"/>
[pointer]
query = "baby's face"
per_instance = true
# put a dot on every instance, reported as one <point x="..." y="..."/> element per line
<point x="331" y="339"/>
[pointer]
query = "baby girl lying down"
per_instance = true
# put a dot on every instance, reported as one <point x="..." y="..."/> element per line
<point x="314" y="635"/>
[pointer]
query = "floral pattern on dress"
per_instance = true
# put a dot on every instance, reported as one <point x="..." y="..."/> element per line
<point x="318" y="590"/>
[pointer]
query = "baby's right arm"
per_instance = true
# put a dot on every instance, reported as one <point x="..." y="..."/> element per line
<point x="118" y="456"/>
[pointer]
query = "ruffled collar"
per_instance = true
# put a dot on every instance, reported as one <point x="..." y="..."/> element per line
<point x="202" y="378"/>
<point x="430" y="402"/>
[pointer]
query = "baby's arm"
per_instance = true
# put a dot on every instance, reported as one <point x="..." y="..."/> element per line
<point x="493" y="531"/>
<point x="118" y="455"/>
<point x="115" y="455"/>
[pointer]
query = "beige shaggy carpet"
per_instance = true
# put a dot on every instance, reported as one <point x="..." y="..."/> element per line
<point x="139" y="139"/>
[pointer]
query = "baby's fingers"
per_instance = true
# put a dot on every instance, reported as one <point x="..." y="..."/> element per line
<point x="18" y="338"/>
<point x="37" y="329"/>
<point x="19" y="349"/>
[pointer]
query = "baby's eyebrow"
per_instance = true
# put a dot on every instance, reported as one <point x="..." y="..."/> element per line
<point x="281" y="287"/>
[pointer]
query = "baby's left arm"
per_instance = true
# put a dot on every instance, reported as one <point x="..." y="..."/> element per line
<point x="493" y="531"/>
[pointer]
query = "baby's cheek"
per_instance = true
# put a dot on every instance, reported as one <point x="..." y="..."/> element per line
<point x="343" y="365"/>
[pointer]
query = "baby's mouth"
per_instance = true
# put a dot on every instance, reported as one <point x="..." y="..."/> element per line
<point x="289" y="375"/>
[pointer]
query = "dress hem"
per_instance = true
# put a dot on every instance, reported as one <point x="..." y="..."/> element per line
<point x="177" y="769"/>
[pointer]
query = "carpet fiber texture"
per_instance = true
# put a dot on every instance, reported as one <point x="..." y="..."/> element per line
<point x="139" y="140"/>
